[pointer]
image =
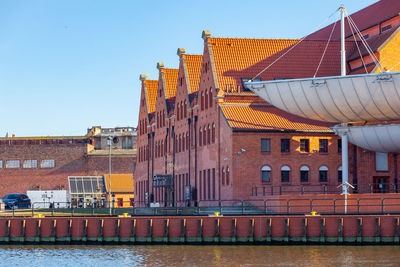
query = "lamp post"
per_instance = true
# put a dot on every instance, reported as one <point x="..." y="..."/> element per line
<point x="109" y="142"/>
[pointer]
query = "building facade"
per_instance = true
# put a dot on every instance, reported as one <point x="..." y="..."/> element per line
<point x="214" y="140"/>
<point x="29" y="163"/>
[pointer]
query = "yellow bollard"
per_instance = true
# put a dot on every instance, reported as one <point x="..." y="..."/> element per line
<point x="313" y="213"/>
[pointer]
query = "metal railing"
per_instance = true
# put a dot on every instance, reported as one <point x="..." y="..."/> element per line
<point x="322" y="189"/>
<point x="294" y="206"/>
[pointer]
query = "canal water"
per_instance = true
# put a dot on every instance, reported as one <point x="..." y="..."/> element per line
<point x="199" y="256"/>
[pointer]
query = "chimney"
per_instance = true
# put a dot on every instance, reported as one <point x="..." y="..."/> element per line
<point x="205" y="34"/>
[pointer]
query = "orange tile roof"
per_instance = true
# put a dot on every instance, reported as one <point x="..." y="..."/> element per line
<point x="237" y="58"/>
<point x="151" y="94"/>
<point x="171" y="80"/>
<point x="268" y="118"/>
<point x="193" y="63"/>
<point x="120" y="182"/>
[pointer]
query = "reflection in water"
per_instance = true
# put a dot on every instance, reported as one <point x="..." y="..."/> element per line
<point x="200" y="255"/>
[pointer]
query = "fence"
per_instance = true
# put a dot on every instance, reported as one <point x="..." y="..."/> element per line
<point x="322" y="189"/>
<point x="226" y="207"/>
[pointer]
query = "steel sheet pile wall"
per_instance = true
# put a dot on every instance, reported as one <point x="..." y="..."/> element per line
<point x="188" y="230"/>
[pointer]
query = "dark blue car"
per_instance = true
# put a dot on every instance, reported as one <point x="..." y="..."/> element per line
<point x="16" y="201"/>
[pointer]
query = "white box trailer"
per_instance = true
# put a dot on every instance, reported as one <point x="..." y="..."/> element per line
<point x="49" y="198"/>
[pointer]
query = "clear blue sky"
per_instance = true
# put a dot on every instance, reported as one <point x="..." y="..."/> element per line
<point x="67" y="65"/>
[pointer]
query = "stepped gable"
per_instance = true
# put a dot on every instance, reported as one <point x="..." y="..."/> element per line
<point x="151" y="87"/>
<point x="193" y="64"/>
<point x="364" y="18"/>
<point x="170" y="79"/>
<point x="236" y="58"/>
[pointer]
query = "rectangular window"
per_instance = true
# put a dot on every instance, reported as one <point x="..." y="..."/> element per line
<point x="1" y="164"/>
<point x="213" y="183"/>
<point x="265" y="145"/>
<point x="323" y="176"/>
<point x="30" y="163"/>
<point x="303" y="176"/>
<point x="200" y="186"/>
<point x="304" y="145"/>
<point x="340" y="179"/>
<point x="12" y="164"/>
<point x="266" y="176"/>
<point x="339" y="146"/>
<point x="285" y="176"/>
<point x="323" y="145"/>
<point x="285" y="145"/>
<point x="381" y="161"/>
<point x="386" y="27"/>
<point x="47" y="163"/>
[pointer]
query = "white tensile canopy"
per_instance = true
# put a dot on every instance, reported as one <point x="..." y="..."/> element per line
<point x="379" y="137"/>
<point x="366" y="97"/>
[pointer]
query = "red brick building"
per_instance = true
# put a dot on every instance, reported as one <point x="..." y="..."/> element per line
<point x="222" y="142"/>
<point x="28" y="163"/>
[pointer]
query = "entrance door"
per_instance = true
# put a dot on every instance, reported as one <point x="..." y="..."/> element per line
<point x="381" y="184"/>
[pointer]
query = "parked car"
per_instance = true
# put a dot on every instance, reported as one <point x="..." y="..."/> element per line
<point x="16" y="201"/>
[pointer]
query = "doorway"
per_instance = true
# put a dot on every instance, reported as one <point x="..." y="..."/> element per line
<point x="381" y="184"/>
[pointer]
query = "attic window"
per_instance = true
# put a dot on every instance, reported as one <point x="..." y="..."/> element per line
<point x="386" y="27"/>
<point x="366" y="36"/>
<point x="245" y="80"/>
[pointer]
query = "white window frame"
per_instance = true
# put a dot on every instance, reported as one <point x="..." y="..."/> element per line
<point x="30" y="164"/>
<point x="13" y="164"/>
<point x="47" y="163"/>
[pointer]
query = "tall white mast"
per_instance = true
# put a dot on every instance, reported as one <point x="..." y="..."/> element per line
<point x="345" y="141"/>
<point x="342" y="40"/>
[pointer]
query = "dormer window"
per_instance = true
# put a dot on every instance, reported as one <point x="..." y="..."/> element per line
<point x="387" y="27"/>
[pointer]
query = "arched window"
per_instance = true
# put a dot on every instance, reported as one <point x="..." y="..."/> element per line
<point x="211" y="98"/>
<point x="177" y="112"/>
<point x="163" y="119"/>
<point x="200" y="137"/>
<point x="180" y="143"/>
<point x="323" y="174"/>
<point x="213" y="134"/>
<point x="223" y="176"/>
<point x="340" y="177"/>
<point x="185" y="109"/>
<point x="304" y="170"/>
<point x="209" y="134"/>
<point x="158" y="119"/>
<point x="176" y="144"/>
<point x="266" y="174"/>
<point x="162" y="149"/>
<point x="202" y="101"/>
<point x="182" y="111"/>
<point x="206" y="100"/>
<point x="227" y="175"/>
<point x="285" y="173"/>
<point x="187" y="141"/>
<point x="205" y="136"/>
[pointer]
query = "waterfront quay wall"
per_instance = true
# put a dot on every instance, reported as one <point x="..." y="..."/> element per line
<point x="333" y="229"/>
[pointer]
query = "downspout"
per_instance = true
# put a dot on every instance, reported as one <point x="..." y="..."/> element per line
<point x="148" y="171"/>
<point x="152" y="166"/>
<point x="173" y="164"/>
<point x="195" y="195"/>
<point x="189" y="149"/>
<point x="165" y="164"/>
<point x="355" y="168"/>
<point x="395" y="173"/>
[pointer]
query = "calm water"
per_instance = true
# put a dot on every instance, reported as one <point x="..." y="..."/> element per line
<point x="199" y="256"/>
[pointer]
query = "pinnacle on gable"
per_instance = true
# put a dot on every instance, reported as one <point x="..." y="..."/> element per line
<point x="205" y="34"/>
<point x="160" y="65"/>
<point x="142" y="77"/>
<point x="181" y="51"/>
